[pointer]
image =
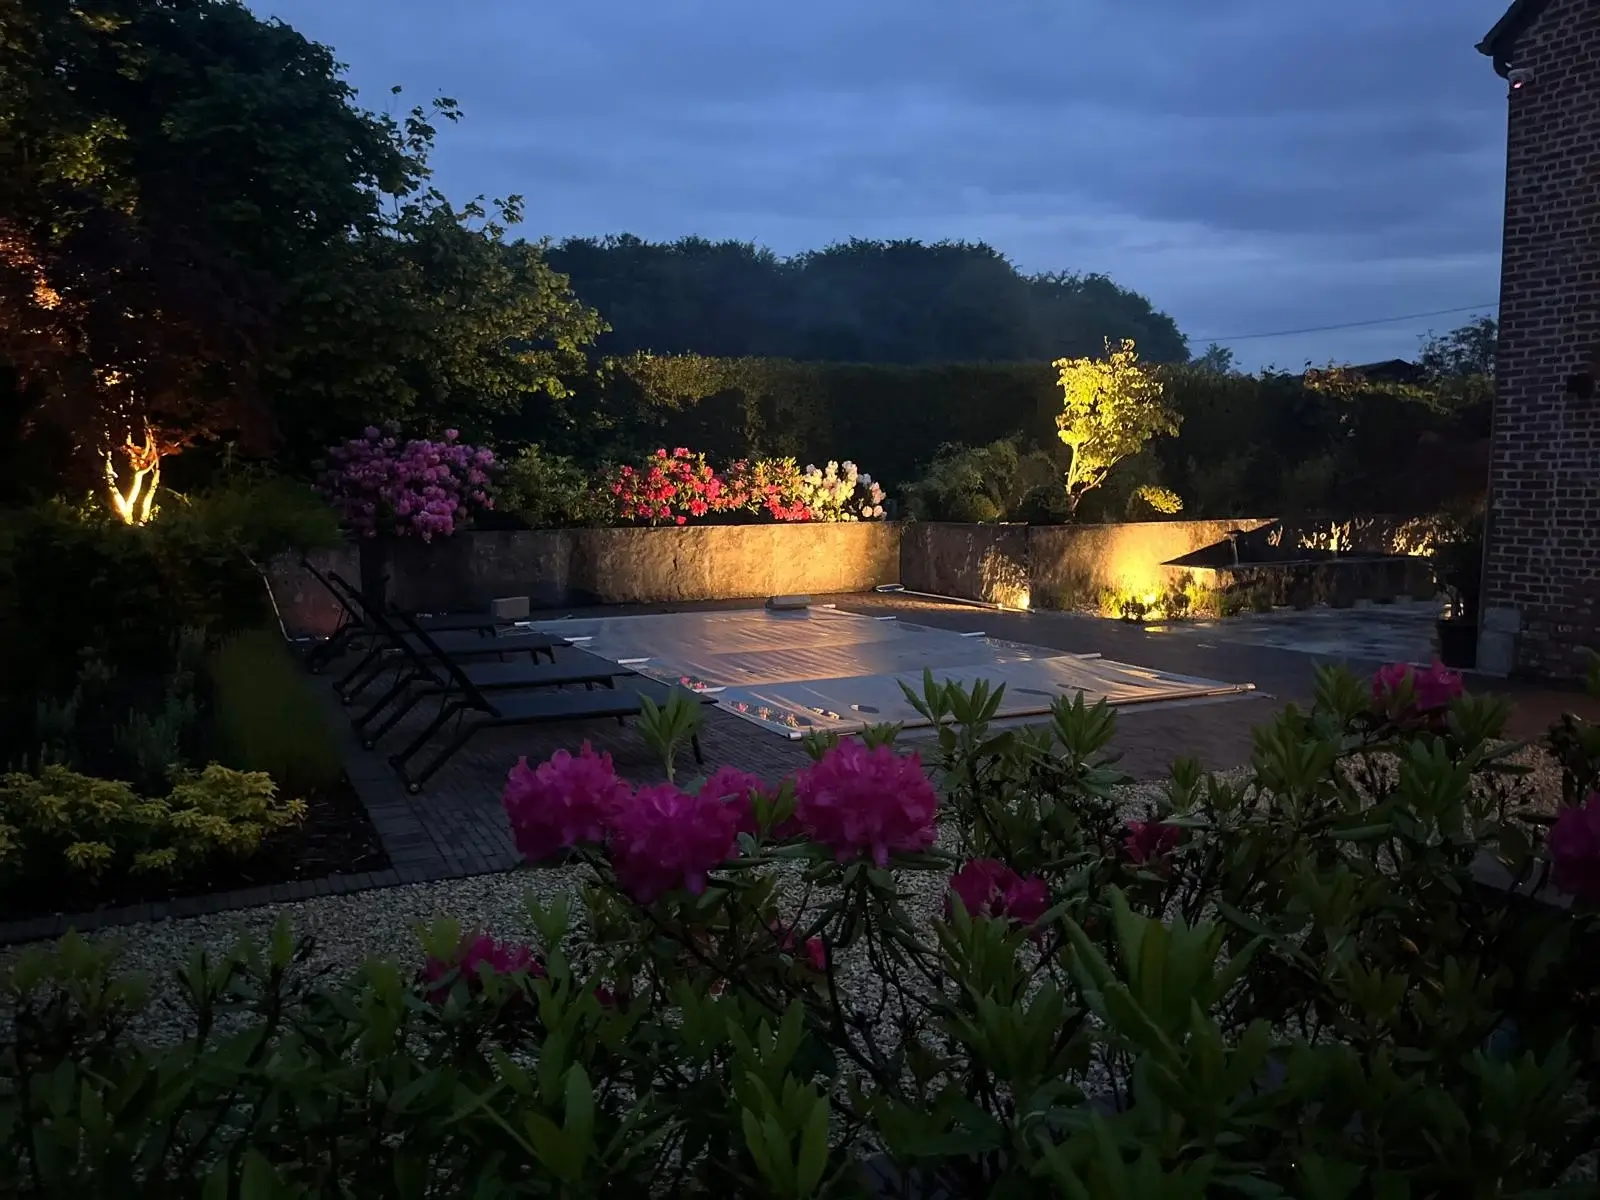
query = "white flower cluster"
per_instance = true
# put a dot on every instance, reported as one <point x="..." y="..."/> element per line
<point x="841" y="492"/>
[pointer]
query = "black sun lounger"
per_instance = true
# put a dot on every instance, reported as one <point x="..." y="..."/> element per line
<point x="426" y="680"/>
<point x="392" y="647"/>
<point x="505" y="710"/>
<point x="354" y="621"/>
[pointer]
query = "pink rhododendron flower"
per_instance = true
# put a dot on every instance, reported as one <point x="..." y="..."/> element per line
<point x="989" y="888"/>
<point x="1148" y="841"/>
<point x="663" y="839"/>
<point x="564" y="802"/>
<point x="1574" y="847"/>
<point x="857" y="801"/>
<point x="421" y="489"/>
<point x="734" y="788"/>
<point x="475" y="953"/>
<point x="817" y="954"/>
<point x="1432" y="689"/>
<point x="815" y="949"/>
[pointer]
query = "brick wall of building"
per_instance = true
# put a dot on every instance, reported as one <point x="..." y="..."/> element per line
<point x="1541" y="598"/>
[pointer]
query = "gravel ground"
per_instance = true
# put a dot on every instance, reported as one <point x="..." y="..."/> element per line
<point x="348" y="928"/>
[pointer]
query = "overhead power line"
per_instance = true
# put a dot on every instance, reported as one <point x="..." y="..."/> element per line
<point x="1438" y="312"/>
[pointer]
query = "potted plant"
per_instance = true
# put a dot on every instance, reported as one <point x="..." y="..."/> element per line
<point x="1459" y="565"/>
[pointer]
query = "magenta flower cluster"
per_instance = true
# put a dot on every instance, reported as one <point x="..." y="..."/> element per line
<point x="417" y="488"/>
<point x="565" y="802"/>
<point x="1150" y="842"/>
<point x="475" y="954"/>
<point x="659" y="839"/>
<point x="857" y="801"/>
<point x="1404" y="693"/>
<point x="987" y="887"/>
<point x="1574" y="848"/>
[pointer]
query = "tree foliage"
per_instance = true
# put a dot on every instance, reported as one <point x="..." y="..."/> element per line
<point x="859" y="301"/>
<point x="1111" y="407"/>
<point x="202" y="235"/>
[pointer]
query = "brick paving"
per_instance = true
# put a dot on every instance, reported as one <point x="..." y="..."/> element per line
<point x="454" y="826"/>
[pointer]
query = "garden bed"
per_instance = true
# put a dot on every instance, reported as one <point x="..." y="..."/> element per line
<point x="336" y="837"/>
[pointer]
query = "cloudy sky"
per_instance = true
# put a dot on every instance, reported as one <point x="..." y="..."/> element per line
<point x="1253" y="166"/>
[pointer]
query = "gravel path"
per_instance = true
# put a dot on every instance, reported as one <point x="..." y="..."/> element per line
<point x="349" y="928"/>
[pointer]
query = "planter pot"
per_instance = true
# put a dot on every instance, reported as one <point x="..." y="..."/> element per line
<point x="1458" y="644"/>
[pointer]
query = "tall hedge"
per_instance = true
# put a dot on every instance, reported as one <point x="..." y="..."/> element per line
<point x="1255" y="443"/>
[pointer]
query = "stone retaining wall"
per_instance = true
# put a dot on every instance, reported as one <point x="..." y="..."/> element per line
<point x="1049" y="566"/>
<point x="569" y="568"/>
<point x="1071" y="566"/>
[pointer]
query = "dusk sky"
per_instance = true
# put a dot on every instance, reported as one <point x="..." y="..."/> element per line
<point x="1250" y="165"/>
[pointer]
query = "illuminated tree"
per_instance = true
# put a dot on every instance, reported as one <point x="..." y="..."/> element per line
<point x="202" y="236"/>
<point x="1112" y="406"/>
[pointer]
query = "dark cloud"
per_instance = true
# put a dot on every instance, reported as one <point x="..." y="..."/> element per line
<point x="1251" y="165"/>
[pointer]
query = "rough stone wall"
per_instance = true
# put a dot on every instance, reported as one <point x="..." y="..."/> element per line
<point x="1541" y="599"/>
<point x="577" y="567"/>
<point x="1070" y="565"/>
<point x="1050" y="566"/>
<point x="967" y="562"/>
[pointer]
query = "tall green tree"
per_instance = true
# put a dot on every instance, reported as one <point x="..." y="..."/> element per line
<point x="202" y="235"/>
<point x="900" y="302"/>
<point x="1215" y="358"/>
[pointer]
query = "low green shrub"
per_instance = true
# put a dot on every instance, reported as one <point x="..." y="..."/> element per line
<point x="77" y="586"/>
<point x="265" y="716"/>
<point x="549" y="491"/>
<point x="996" y="482"/>
<point x="59" y="820"/>
<point x="1287" y="984"/>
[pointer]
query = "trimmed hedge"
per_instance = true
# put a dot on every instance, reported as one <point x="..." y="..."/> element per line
<point x="1247" y="443"/>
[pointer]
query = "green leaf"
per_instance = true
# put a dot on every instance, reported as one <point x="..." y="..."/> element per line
<point x="813" y="1159"/>
<point x="580" y="1108"/>
<point x="257" y="1179"/>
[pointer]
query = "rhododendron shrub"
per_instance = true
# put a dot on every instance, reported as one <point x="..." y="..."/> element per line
<point x="987" y="887"/>
<point x="475" y="956"/>
<point x="1575" y="850"/>
<point x="841" y="492"/>
<point x="416" y="488"/>
<point x="1403" y="693"/>
<point x="972" y="972"/>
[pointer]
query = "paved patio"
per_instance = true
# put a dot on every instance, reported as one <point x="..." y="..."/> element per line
<point x="455" y="828"/>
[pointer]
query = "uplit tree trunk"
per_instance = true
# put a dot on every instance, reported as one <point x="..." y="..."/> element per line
<point x="134" y="502"/>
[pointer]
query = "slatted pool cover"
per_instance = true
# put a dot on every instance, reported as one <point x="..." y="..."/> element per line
<point x="791" y="672"/>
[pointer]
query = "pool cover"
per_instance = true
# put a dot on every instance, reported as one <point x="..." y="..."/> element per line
<point x="822" y="669"/>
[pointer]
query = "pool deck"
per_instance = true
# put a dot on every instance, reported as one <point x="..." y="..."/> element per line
<point x="455" y="828"/>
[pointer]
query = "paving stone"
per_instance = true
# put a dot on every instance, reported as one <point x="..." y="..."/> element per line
<point x="455" y="826"/>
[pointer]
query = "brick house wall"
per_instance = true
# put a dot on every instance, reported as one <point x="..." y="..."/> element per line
<point x="1541" y="584"/>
